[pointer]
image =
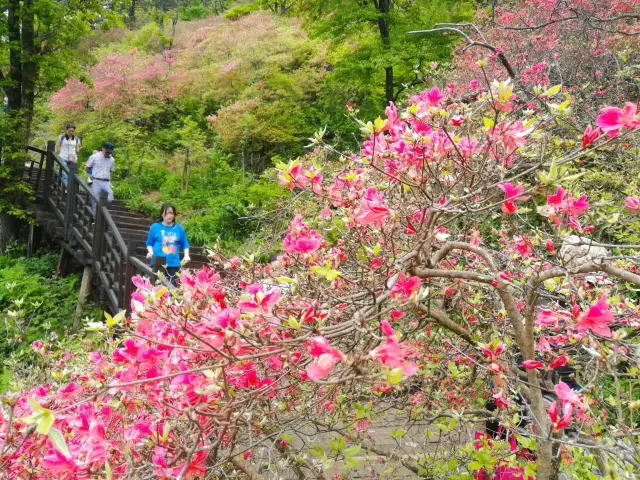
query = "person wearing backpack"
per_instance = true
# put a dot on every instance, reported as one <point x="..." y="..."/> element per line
<point x="67" y="147"/>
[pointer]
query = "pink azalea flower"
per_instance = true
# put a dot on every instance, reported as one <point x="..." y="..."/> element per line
<point x="372" y="209"/>
<point x="300" y="239"/>
<point x="514" y="194"/>
<point x="327" y="358"/>
<point x="501" y="399"/>
<point x="393" y="354"/>
<point x="560" y="423"/>
<point x="457" y="120"/>
<point x="632" y="204"/>
<point x="492" y="352"/>
<point x="590" y="135"/>
<point x="405" y="287"/>
<point x="613" y="119"/>
<point x="434" y="97"/>
<point x="597" y="319"/>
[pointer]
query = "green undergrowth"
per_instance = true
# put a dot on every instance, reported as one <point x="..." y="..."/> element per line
<point x="35" y="305"/>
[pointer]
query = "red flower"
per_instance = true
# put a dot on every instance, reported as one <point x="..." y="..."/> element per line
<point x="590" y="135"/>
<point x="559" y="362"/>
<point x="532" y="365"/>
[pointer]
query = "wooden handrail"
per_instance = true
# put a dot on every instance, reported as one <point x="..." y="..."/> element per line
<point x="114" y="229"/>
<point x="95" y="232"/>
<point x="147" y="270"/>
<point x="36" y="149"/>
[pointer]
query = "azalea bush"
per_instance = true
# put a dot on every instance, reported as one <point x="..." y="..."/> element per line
<point x="449" y="286"/>
<point x="590" y="47"/>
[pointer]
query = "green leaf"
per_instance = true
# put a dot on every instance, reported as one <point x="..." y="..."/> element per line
<point x="524" y="441"/>
<point x="474" y="466"/>
<point x="488" y="123"/>
<point x="113" y="321"/>
<point x="327" y="273"/>
<point x="399" y="433"/>
<point x="352" y="462"/>
<point x="394" y="376"/>
<point x="286" y="437"/>
<point x="58" y="441"/>
<point x="42" y="417"/>
<point x="553" y="91"/>
<point x="317" y="451"/>
<point x="352" y="451"/>
<point x="107" y="471"/>
<point x="293" y="323"/>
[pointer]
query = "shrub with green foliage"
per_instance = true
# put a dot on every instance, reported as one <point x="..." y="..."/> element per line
<point x="241" y="11"/>
<point x="35" y="304"/>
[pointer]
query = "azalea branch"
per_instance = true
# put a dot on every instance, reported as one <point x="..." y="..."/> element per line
<point x="246" y="468"/>
<point x="443" y="320"/>
<point x="472" y="43"/>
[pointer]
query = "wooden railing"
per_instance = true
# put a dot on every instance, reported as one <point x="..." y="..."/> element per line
<point x="91" y="234"/>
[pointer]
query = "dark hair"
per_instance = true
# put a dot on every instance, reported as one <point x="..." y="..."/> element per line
<point x="71" y="125"/>
<point x="167" y="206"/>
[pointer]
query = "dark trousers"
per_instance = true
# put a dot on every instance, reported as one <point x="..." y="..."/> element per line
<point x="170" y="272"/>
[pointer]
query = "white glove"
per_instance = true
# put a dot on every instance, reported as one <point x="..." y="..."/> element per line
<point x="149" y="252"/>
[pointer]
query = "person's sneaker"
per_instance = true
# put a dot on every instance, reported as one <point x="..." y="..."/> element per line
<point x="89" y="181"/>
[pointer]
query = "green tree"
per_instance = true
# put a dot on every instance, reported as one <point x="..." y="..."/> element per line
<point x="374" y="59"/>
<point x="36" y="56"/>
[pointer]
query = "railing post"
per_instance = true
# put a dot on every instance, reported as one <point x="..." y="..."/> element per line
<point x="129" y="274"/>
<point x="72" y="187"/>
<point x="48" y="171"/>
<point x="99" y="227"/>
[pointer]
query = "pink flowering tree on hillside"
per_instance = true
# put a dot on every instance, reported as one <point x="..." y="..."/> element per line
<point x="119" y="83"/>
<point x="442" y="312"/>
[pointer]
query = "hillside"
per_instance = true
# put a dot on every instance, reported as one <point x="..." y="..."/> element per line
<point x="198" y="117"/>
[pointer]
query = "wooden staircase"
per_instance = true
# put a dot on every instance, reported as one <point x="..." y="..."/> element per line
<point x="111" y="241"/>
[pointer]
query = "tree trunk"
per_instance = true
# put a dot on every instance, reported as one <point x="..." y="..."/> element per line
<point x="85" y="290"/>
<point x="29" y="69"/>
<point x="388" y="85"/>
<point x="8" y="229"/>
<point x="132" y="13"/>
<point x="384" y="7"/>
<point x="14" y="89"/>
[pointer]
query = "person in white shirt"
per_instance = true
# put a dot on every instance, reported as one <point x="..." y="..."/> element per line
<point x="103" y="165"/>
<point x="67" y="147"/>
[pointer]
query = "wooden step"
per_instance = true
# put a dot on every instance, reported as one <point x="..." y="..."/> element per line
<point x="129" y="217"/>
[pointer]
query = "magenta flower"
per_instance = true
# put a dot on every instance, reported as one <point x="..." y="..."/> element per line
<point x="372" y="209"/>
<point x="597" y="319"/>
<point x="590" y="135"/>
<point x="405" y="287"/>
<point x="394" y="354"/>
<point x="632" y="204"/>
<point x="514" y="194"/>
<point x="613" y="119"/>
<point x="327" y="358"/>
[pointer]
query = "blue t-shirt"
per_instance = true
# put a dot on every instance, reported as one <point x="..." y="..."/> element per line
<point x="167" y="242"/>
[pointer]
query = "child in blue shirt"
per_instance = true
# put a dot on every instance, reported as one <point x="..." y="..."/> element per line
<point x="166" y="239"/>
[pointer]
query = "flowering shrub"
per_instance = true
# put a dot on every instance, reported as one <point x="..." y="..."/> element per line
<point x="588" y="46"/>
<point x="428" y="291"/>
